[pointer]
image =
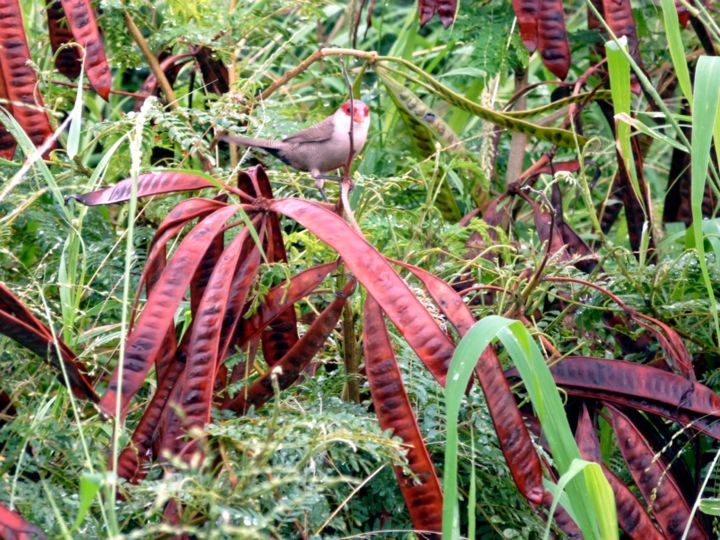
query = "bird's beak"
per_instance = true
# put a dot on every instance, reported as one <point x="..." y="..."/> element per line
<point x="358" y="116"/>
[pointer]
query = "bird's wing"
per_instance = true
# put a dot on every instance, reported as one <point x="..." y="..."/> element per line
<point x="318" y="133"/>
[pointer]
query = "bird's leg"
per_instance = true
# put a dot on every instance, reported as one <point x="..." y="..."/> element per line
<point x="327" y="177"/>
<point x="319" y="183"/>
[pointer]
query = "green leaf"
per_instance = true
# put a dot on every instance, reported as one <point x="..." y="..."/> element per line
<point x="596" y="518"/>
<point x="90" y="484"/>
<point x="705" y="117"/>
<point x="677" y="50"/>
<point x="710" y="506"/>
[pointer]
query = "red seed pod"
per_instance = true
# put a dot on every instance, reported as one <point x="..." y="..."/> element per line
<point x="68" y="60"/>
<point x="156" y="183"/>
<point x="423" y="498"/>
<point x="657" y="485"/>
<point x="145" y="340"/>
<point x="288" y="369"/>
<point x="513" y="436"/>
<point x="619" y="17"/>
<point x="140" y="448"/>
<point x="7" y="143"/>
<point x="630" y="513"/>
<point x="20" y="79"/>
<point x="81" y="19"/>
<point x="446" y="10"/>
<point x="14" y="527"/>
<point x="411" y="318"/>
<point x="552" y="37"/>
<point x="527" y="12"/>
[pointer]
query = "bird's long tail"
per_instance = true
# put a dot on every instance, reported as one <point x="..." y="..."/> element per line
<point x="265" y="144"/>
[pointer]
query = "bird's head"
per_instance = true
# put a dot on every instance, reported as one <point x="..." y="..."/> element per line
<point x="359" y="111"/>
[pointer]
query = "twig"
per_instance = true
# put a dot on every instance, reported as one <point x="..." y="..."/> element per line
<point x="346" y="184"/>
<point x="152" y="60"/>
<point x="310" y="60"/>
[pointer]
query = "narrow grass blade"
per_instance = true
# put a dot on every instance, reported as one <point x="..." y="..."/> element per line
<point x="704" y="119"/>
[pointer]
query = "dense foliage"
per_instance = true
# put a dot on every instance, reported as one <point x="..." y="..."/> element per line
<point x="309" y="415"/>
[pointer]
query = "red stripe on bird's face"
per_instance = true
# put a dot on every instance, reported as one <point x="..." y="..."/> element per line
<point x="360" y="111"/>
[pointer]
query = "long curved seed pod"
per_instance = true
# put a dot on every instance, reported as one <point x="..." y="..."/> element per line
<point x="81" y="19"/>
<point x="707" y="424"/>
<point x="68" y="61"/>
<point x="557" y="136"/>
<point x="7" y="142"/>
<point x="282" y="332"/>
<point x="242" y="280"/>
<point x="156" y="183"/>
<point x="426" y="127"/>
<point x="657" y="486"/>
<point x="562" y="519"/>
<point x="423" y="497"/>
<point x="552" y="37"/>
<point x="20" y="80"/>
<point x="14" y="527"/>
<point x="171" y="225"/>
<point x="12" y="305"/>
<point x="15" y="307"/>
<point x="527" y="12"/>
<point x="143" y="344"/>
<point x="513" y="436"/>
<point x="631" y="515"/>
<point x="282" y="296"/>
<point x="583" y="98"/>
<point x="139" y="450"/>
<point x="288" y="369"/>
<point x="204" y="343"/>
<point x="636" y="380"/>
<point x="366" y="263"/>
<point x="42" y="344"/>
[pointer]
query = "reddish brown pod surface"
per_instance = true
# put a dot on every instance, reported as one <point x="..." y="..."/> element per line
<point x="619" y="17"/>
<point x="631" y="515"/>
<point x="513" y="435"/>
<point x="656" y="484"/>
<point x="552" y="37"/>
<point x="526" y="12"/>
<point x="26" y="103"/>
<point x="371" y="269"/>
<point x="392" y="406"/>
<point x="445" y="9"/>
<point x="14" y="527"/>
<point x="144" y="342"/>
<point x="68" y="60"/>
<point x="81" y="19"/>
<point x="7" y="143"/>
<point x="287" y="370"/>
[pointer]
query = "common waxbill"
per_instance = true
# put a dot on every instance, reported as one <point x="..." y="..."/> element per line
<point x="320" y="148"/>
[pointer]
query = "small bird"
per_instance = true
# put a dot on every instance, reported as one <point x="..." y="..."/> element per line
<point x="320" y="148"/>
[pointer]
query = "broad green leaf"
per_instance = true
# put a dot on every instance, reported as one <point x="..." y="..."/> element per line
<point x="594" y="518"/>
